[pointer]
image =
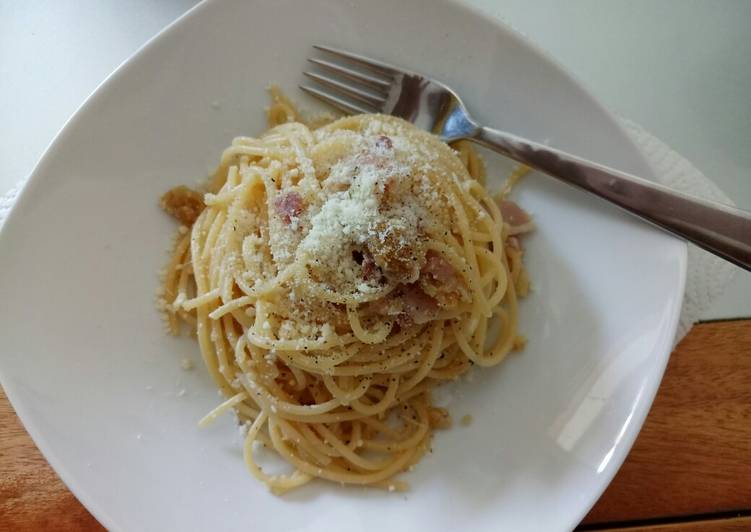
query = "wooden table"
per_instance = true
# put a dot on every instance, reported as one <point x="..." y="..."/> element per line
<point x="690" y="468"/>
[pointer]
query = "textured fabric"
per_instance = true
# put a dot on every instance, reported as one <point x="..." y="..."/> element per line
<point x="707" y="274"/>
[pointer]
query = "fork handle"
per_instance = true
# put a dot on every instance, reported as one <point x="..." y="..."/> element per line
<point x="720" y="229"/>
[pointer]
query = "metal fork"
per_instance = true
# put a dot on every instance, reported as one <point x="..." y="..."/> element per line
<point x="357" y="84"/>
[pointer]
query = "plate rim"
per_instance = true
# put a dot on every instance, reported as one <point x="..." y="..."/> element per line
<point x="667" y="335"/>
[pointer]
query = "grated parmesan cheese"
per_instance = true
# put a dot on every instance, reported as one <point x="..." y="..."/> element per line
<point x="358" y="214"/>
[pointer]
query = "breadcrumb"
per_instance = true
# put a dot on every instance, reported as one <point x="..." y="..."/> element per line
<point x="183" y="203"/>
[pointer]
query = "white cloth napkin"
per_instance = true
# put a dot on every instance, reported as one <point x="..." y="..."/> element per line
<point x="707" y="274"/>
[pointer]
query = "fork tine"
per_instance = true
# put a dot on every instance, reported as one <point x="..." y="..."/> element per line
<point x="376" y="100"/>
<point x="336" y="101"/>
<point x="368" y="80"/>
<point x="366" y="62"/>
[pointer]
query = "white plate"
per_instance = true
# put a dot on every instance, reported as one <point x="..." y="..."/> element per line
<point x="97" y="383"/>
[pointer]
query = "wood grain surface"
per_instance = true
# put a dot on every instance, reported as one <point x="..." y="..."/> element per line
<point x="32" y="496"/>
<point x="693" y="454"/>
<point x="692" y="459"/>
<point x="731" y="524"/>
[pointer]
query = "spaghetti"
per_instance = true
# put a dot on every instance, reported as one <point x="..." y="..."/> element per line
<point x="333" y="276"/>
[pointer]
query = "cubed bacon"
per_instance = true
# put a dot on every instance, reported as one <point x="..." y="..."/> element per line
<point x="417" y="306"/>
<point x="387" y="306"/>
<point x="512" y="213"/>
<point x="409" y="304"/>
<point x="438" y="268"/>
<point x="289" y="206"/>
<point x="384" y="143"/>
<point x="370" y="270"/>
<point x="441" y="281"/>
<point x="514" y="243"/>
